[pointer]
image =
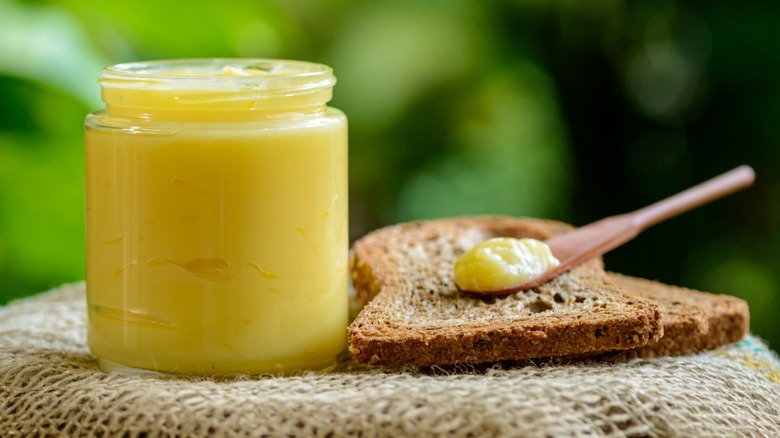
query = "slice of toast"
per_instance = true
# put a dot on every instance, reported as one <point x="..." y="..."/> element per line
<point x="692" y="320"/>
<point x="415" y="315"/>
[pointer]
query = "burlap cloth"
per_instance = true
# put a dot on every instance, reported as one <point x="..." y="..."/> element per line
<point x="50" y="386"/>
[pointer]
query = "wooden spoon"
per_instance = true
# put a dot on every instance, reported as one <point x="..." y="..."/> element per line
<point x="595" y="239"/>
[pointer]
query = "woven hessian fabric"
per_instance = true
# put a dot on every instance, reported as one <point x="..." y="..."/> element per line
<point x="50" y="385"/>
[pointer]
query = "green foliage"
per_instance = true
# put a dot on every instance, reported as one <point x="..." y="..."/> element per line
<point x="568" y="110"/>
<point x="509" y="153"/>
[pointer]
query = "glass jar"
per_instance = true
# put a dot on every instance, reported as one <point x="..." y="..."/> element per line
<point x="217" y="218"/>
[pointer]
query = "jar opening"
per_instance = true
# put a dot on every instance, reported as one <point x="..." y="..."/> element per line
<point x="149" y="89"/>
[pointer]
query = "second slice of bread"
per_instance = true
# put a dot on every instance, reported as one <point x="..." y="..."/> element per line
<point x="415" y="315"/>
<point x="692" y="320"/>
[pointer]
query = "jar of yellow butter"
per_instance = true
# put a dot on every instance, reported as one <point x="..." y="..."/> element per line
<point x="216" y="201"/>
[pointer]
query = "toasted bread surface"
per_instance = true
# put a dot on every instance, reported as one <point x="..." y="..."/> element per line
<point x="692" y="320"/>
<point x="415" y="315"/>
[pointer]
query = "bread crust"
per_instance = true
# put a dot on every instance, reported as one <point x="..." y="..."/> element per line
<point x="414" y="314"/>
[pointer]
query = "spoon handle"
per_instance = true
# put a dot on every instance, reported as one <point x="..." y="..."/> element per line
<point x="576" y="246"/>
<point x="718" y="187"/>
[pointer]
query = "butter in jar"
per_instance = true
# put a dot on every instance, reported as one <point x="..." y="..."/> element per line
<point x="216" y="215"/>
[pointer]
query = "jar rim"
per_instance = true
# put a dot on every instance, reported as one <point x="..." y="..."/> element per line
<point x="258" y="74"/>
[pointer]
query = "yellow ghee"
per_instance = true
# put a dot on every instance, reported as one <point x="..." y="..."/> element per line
<point x="501" y="263"/>
<point x="217" y="218"/>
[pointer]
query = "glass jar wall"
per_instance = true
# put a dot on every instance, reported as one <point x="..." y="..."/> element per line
<point x="217" y="218"/>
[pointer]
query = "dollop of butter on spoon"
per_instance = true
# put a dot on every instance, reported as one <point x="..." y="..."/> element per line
<point x="503" y="262"/>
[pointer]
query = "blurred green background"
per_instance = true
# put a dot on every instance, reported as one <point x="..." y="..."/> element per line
<point x="561" y="109"/>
